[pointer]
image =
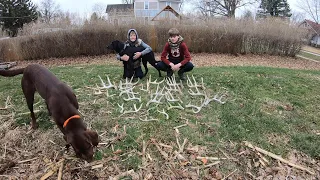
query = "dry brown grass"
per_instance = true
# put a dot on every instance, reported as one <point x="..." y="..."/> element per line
<point x="217" y="36"/>
<point x="199" y="60"/>
<point x="19" y="143"/>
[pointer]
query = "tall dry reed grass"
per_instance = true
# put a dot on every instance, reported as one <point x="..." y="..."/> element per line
<point x="215" y="36"/>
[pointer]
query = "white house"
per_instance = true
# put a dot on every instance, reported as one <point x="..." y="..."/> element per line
<point x="148" y="9"/>
<point x="145" y="10"/>
<point x="313" y="29"/>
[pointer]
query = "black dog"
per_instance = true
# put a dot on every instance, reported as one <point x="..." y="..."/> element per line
<point x="120" y="48"/>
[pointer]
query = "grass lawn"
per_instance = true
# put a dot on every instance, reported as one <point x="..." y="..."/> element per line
<point x="275" y="109"/>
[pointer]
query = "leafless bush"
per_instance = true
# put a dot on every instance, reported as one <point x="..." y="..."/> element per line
<point x="212" y="36"/>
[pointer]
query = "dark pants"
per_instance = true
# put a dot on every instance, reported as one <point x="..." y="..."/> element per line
<point x="185" y="68"/>
<point x="137" y="73"/>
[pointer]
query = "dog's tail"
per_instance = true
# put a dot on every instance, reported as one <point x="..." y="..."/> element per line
<point x="10" y="73"/>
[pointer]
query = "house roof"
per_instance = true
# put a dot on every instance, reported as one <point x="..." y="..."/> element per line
<point x="178" y="1"/>
<point x="119" y="7"/>
<point x="167" y="8"/>
<point x="315" y="26"/>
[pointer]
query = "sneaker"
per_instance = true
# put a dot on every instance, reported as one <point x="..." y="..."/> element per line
<point x="182" y="76"/>
<point x="169" y="73"/>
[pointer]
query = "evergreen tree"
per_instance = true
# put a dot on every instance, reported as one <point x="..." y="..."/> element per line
<point x="15" y="13"/>
<point x="275" y="8"/>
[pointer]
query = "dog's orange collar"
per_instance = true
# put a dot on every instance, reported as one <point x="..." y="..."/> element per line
<point x="67" y="121"/>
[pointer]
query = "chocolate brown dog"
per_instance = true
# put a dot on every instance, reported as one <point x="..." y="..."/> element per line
<point x="62" y="105"/>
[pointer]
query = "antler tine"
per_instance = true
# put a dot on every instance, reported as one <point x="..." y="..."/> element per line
<point x="131" y="79"/>
<point x="194" y="80"/>
<point x="110" y="84"/>
<point x="163" y="112"/>
<point x="193" y="84"/>
<point x="181" y="84"/>
<point x="147" y="120"/>
<point x="146" y="90"/>
<point x="130" y="90"/>
<point x="198" y="108"/>
<point x="154" y="99"/>
<point x="155" y="82"/>
<point x="189" y="83"/>
<point x="170" y="97"/>
<point x="202" y="83"/>
<point x="99" y="91"/>
<point x="218" y="99"/>
<point x="198" y="93"/>
<point x="133" y="84"/>
<point x="120" y="85"/>
<point x="172" y="84"/>
<point x="133" y="97"/>
<point x="108" y="95"/>
<point x="104" y="86"/>
<point x="121" y="108"/>
<point x="135" y="109"/>
<point x="175" y="107"/>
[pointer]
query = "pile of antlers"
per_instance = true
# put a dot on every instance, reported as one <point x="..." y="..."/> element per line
<point x="168" y="92"/>
<point x="192" y="84"/>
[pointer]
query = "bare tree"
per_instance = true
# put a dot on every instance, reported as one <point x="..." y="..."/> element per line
<point x="182" y="3"/>
<point x="311" y="7"/>
<point x="222" y="7"/>
<point x="99" y="9"/>
<point x="297" y="17"/>
<point x="49" y="10"/>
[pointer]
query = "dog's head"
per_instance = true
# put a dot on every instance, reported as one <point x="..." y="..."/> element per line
<point x="116" y="46"/>
<point x="83" y="143"/>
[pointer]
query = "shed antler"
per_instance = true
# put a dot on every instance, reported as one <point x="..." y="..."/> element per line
<point x="133" y="110"/>
<point x="104" y="86"/>
<point x="195" y="85"/>
<point x="157" y="97"/>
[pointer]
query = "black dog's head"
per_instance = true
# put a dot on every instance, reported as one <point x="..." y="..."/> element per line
<point x="116" y="46"/>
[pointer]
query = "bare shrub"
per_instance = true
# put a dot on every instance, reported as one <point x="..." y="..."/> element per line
<point x="271" y="36"/>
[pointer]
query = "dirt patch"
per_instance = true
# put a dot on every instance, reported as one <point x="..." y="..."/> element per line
<point x="199" y="60"/>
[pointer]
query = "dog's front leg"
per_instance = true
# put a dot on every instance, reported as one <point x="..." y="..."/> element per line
<point x="67" y="144"/>
<point x="48" y="109"/>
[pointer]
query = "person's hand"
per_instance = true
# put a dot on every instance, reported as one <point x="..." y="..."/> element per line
<point x="124" y="57"/>
<point x="177" y="66"/>
<point x="137" y="55"/>
<point x="172" y="66"/>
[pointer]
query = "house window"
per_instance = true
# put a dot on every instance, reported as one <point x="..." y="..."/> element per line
<point x="146" y="5"/>
<point x="168" y="3"/>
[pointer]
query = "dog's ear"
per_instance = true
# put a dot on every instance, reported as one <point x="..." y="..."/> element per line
<point x="93" y="136"/>
<point x="119" y="45"/>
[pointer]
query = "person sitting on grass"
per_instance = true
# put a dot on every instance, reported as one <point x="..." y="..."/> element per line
<point x="175" y="55"/>
<point x="134" y="41"/>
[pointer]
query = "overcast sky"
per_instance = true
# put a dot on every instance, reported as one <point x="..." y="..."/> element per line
<point x="84" y="7"/>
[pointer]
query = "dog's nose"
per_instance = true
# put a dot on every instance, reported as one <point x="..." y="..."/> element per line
<point x="108" y="50"/>
<point x="88" y="158"/>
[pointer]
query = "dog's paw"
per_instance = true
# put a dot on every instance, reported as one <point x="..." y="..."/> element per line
<point x="67" y="147"/>
<point x="34" y="126"/>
